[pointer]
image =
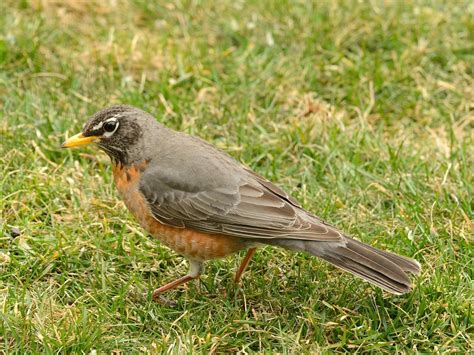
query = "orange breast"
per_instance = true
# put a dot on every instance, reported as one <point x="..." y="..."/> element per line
<point x="192" y="244"/>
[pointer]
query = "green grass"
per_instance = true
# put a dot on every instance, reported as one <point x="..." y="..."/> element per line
<point x="361" y="110"/>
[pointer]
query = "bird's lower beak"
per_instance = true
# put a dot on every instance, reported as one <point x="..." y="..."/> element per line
<point x="77" y="140"/>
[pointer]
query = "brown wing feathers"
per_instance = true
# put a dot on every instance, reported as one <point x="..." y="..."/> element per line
<point x="255" y="209"/>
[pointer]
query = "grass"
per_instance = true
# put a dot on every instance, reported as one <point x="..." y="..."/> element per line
<point x="361" y="110"/>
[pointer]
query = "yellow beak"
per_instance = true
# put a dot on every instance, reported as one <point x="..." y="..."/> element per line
<point x="77" y="140"/>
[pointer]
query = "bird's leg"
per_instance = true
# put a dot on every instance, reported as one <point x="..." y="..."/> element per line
<point x="195" y="269"/>
<point x="244" y="264"/>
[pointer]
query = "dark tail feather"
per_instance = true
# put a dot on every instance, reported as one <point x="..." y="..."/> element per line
<point x="381" y="268"/>
<point x="406" y="264"/>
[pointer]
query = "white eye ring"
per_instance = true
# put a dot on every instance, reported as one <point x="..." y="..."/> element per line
<point x="107" y="134"/>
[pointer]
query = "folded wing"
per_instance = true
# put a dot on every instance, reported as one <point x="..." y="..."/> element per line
<point x="248" y="207"/>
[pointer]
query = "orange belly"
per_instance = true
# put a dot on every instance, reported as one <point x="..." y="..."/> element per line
<point x="192" y="244"/>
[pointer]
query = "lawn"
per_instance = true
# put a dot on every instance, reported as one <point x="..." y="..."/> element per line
<point x="363" y="111"/>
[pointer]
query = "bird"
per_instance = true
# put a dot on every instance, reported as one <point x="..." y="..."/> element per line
<point x="205" y="205"/>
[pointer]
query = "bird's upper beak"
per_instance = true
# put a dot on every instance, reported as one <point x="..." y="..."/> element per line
<point x="79" y="139"/>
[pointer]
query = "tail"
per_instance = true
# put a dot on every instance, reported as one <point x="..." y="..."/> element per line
<point x="384" y="269"/>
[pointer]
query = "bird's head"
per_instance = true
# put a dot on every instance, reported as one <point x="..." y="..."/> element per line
<point x="117" y="130"/>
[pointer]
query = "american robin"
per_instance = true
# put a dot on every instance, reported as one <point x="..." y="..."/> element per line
<point x="203" y="204"/>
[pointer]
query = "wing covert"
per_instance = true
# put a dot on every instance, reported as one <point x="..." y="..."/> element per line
<point x="250" y="207"/>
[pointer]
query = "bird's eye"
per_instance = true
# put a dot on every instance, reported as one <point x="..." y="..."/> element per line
<point x="110" y="126"/>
